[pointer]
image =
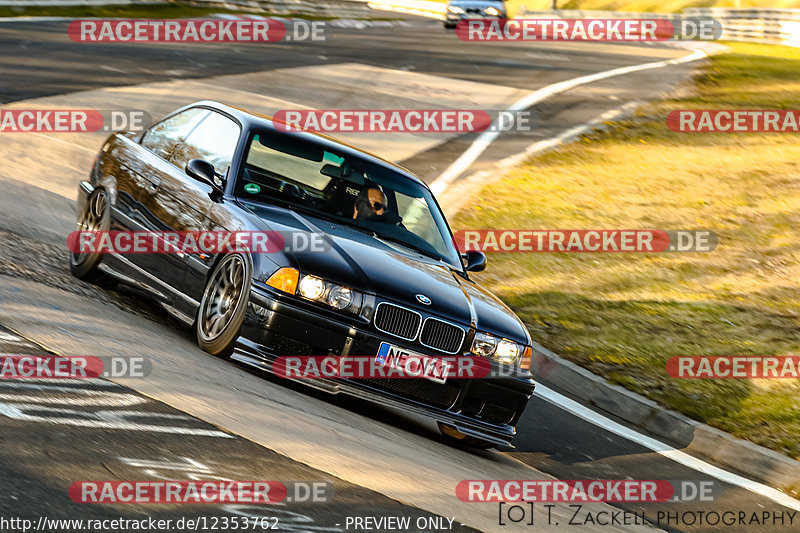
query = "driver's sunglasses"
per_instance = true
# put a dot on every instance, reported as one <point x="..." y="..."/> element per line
<point x="377" y="206"/>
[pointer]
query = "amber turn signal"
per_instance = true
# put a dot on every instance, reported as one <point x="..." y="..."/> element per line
<point x="284" y="279"/>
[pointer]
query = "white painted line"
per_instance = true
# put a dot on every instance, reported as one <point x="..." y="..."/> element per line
<point x="563" y="137"/>
<point x="35" y="19"/>
<point x="10" y="337"/>
<point x="102" y="398"/>
<point x="55" y="384"/>
<point x="587" y="127"/>
<point x="486" y="176"/>
<point x="189" y="465"/>
<point x="21" y="343"/>
<point x="103" y="419"/>
<point x="561" y="401"/>
<point x="487" y="137"/>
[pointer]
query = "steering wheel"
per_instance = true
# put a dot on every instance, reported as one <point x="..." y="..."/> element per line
<point x="388" y="217"/>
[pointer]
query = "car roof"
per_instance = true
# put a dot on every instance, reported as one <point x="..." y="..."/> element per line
<point x="250" y="119"/>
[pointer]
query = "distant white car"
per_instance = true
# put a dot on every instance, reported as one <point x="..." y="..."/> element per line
<point x="458" y="10"/>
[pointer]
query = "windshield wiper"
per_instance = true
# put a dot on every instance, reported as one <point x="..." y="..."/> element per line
<point x="281" y="202"/>
<point x="423" y="251"/>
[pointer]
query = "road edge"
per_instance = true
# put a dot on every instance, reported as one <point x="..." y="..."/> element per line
<point x="698" y="439"/>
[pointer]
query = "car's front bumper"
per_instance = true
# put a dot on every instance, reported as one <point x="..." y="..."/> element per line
<point x="275" y="325"/>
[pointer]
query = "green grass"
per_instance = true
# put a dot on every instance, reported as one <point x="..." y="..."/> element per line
<point x="623" y="315"/>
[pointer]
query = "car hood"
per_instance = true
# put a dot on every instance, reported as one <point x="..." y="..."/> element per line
<point x="393" y="273"/>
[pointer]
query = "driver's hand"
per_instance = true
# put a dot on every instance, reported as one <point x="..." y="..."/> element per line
<point x="387" y="217"/>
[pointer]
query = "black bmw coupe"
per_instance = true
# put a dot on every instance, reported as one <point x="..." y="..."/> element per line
<point x="386" y="276"/>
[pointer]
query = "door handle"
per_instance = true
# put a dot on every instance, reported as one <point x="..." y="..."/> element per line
<point x="154" y="184"/>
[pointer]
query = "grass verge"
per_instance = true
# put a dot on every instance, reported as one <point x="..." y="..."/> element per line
<point x="623" y="315"/>
<point x="655" y="6"/>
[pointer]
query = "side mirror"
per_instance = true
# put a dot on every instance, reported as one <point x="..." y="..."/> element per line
<point x="476" y="261"/>
<point x="202" y="171"/>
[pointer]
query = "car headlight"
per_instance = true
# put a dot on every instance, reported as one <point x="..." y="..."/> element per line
<point x="484" y="345"/>
<point x="492" y="11"/>
<point x="311" y="287"/>
<point x="455" y="10"/>
<point x="340" y="297"/>
<point x="502" y="350"/>
<point x="508" y="352"/>
<point x="314" y="288"/>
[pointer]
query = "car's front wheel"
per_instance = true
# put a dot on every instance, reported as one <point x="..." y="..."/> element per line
<point x="454" y="436"/>
<point x="95" y="216"/>
<point x="221" y="313"/>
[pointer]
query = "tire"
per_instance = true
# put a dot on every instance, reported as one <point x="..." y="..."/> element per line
<point x="453" y="436"/>
<point x="221" y="312"/>
<point x="96" y="216"/>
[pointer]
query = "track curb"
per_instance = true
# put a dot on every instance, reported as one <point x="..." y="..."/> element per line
<point x="698" y="439"/>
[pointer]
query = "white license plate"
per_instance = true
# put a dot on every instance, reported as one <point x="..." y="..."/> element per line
<point x="412" y="363"/>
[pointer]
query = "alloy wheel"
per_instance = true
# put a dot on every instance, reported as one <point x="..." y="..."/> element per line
<point x="223" y="293"/>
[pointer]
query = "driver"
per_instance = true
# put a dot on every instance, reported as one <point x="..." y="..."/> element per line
<point x="370" y="202"/>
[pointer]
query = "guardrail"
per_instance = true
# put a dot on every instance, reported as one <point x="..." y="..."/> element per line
<point x="765" y="25"/>
<point x="756" y="25"/>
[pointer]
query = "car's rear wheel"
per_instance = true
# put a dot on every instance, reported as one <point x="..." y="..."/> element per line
<point x="221" y="312"/>
<point x="95" y="216"/>
<point x="454" y="436"/>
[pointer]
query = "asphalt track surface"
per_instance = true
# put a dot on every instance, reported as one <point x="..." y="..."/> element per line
<point x="41" y="455"/>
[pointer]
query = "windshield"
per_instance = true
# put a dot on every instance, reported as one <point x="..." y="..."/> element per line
<point x="305" y="176"/>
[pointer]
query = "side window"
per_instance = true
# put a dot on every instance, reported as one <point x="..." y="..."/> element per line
<point x="162" y="138"/>
<point x="214" y="140"/>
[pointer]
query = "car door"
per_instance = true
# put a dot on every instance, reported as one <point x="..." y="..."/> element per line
<point x="152" y="167"/>
<point x="213" y="140"/>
